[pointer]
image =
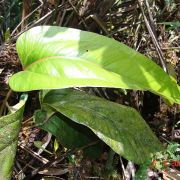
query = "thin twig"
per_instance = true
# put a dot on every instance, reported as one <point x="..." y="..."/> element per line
<point x="151" y="18"/>
<point x="25" y="18"/>
<point x="75" y="10"/>
<point x="51" y="163"/>
<point x="49" y="135"/>
<point x="38" y="22"/>
<point x="123" y="169"/>
<point x="165" y="49"/>
<point x="154" y="40"/>
<point x="36" y="155"/>
<point x="100" y="24"/>
<point x="4" y="102"/>
<point x="28" y="120"/>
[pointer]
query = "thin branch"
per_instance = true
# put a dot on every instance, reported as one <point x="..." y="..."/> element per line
<point x="154" y="40"/>
<point x="34" y="154"/>
<point x="75" y="10"/>
<point x="4" y="102"/>
<point x="51" y="163"/>
<point x="100" y="23"/>
<point x="25" y="18"/>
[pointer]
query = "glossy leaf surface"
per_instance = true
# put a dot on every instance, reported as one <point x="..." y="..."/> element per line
<point x="9" y="129"/>
<point x="120" y="127"/>
<point x="63" y="72"/>
<point x="72" y="46"/>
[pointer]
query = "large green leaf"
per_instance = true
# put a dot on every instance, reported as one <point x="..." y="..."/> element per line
<point x="58" y="72"/>
<point x="9" y="130"/>
<point x="133" y="70"/>
<point x="121" y="127"/>
<point x="70" y="134"/>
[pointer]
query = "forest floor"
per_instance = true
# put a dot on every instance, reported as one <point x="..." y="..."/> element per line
<point x="151" y="27"/>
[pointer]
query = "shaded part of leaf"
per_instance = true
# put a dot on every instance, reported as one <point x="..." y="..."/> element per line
<point x="70" y="134"/>
<point x="121" y="127"/>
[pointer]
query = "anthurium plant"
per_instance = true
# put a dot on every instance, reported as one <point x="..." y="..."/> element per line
<point x="57" y="59"/>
